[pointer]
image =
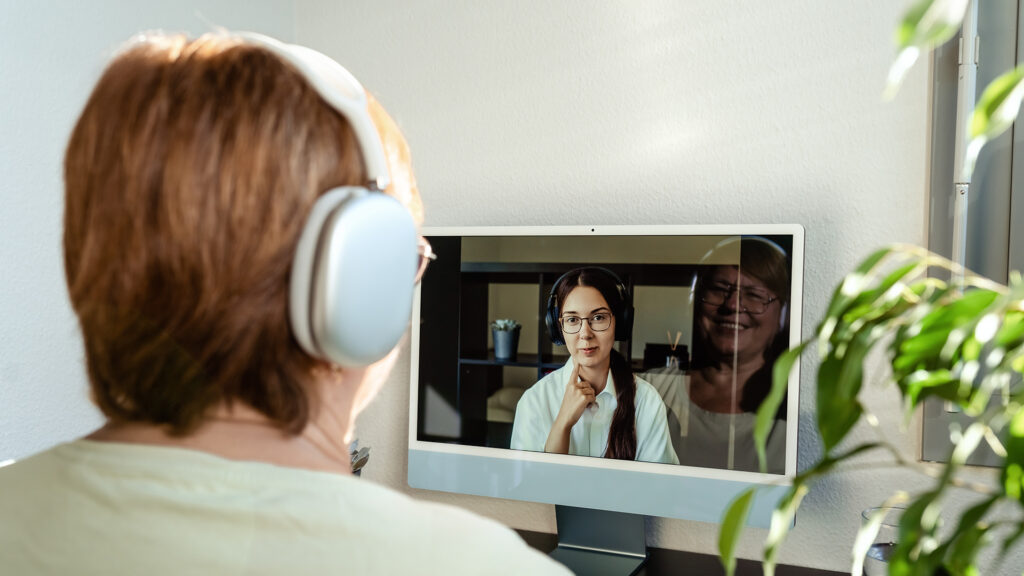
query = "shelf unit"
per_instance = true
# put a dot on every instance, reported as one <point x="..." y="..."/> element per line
<point x="475" y="374"/>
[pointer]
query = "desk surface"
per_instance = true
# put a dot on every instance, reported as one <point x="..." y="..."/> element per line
<point x="676" y="562"/>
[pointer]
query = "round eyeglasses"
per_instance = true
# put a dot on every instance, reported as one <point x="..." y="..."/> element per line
<point x="749" y="299"/>
<point x="426" y="256"/>
<point x="573" y="324"/>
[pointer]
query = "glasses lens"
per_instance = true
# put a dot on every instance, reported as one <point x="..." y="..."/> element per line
<point x="600" y="322"/>
<point x="597" y="323"/>
<point x="746" y="300"/>
<point x="716" y="295"/>
<point x="754" y="302"/>
<point x="571" y="324"/>
<point x="426" y="255"/>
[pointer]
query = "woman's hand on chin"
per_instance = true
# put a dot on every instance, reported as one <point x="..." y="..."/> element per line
<point x="578" y="395"/>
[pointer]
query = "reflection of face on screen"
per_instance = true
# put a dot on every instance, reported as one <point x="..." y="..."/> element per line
<point x="709" y="319"/>
<point x="739" y="321"/>
<point x="737" y="314"/>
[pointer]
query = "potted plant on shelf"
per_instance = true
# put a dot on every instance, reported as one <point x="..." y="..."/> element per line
<point x="505" y="333"/>
<point x="961" y="341"/>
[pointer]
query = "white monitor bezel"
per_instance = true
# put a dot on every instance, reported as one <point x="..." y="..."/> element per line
<point x="737" y="479"/>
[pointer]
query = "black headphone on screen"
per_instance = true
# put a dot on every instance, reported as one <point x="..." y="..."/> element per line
<point x="353" y="275"/>
<point x="621" y="310"/>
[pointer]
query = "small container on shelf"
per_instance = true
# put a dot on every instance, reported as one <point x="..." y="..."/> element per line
<point x="505" y="333"/>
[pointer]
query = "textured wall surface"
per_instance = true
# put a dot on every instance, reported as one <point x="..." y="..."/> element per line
<point x="535" y="113"/>
<point x="51" y="54"/>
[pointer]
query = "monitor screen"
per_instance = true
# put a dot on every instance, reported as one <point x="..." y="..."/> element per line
<point x="564" y="364"/>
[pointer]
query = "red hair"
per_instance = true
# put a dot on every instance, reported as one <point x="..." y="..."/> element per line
<point x="188" y="178"/>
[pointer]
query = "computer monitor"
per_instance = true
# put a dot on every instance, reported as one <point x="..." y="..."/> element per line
<point x="710" y="308"/>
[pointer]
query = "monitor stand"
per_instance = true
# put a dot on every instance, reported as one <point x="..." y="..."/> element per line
<point x="600" y="542"/>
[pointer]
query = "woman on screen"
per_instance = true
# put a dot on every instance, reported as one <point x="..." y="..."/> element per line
<point x="594" y="405"/>
<point x="740" y="328"/>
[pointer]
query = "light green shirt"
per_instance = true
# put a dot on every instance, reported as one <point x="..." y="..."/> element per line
<point x="109" y="508"/>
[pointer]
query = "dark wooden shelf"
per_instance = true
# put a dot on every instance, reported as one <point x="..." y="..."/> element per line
<point x="466" y="286"/>
<point x="546" y="361"/>
<point x="530" y="272"/>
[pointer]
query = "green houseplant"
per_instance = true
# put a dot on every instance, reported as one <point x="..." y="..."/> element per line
<point x="961" y="341"/>
<point x="958" y="343"/>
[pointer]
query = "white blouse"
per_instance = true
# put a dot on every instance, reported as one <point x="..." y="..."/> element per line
<point x="538" y="408"/>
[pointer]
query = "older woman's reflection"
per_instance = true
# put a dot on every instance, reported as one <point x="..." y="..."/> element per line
<point x="739" y="329"/>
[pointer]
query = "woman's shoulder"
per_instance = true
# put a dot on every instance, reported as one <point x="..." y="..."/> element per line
<point x="645" y="389"/>
<point x="450" y="539"/>
<point x="385" y="530"/>
<point x="552" y="381"/>
<point x="647" y="396"/>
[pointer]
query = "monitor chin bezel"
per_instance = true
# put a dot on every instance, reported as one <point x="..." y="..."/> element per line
<point x="587" y="481"/>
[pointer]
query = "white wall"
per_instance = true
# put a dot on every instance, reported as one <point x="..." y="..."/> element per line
<point x="51" y="54"/>
<point x="660" y="112"/>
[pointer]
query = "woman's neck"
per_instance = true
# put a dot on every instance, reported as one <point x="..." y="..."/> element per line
<point x="240" y="433"/>
<point x="725" y="367"/>
<point x="718" y="387"/>
<point x="597" y="376"/>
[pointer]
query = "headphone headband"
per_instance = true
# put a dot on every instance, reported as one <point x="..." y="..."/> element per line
<point x="353" y="273"/>
<point x="340" y="89"/>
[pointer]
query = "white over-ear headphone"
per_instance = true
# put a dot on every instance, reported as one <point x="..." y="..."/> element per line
<point x="353" y="276"/>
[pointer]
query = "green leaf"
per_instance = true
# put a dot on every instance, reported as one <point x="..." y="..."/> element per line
<point x="836" y="415"/>
<point x="782" y="520"/>
<point x="923" y="345"/>
<point x="782" y="516"/>
<point x="865" y="537"/>
<point x="769" y="407"/>
<point x="968" y="538"/>
<point x="916" y="383"/>
<point x="967" y="444"/>
<point x="1012" y="475"/>
<point x="936" y="337"/>
<point x="970" y="350"/>
<point x="960" y="312"/>
<point x="929" y="23"/>
<point x="996" y="110"/>
<point x="998" y="106"/>
<point x="1018" y="364"/>
<point x="1011" y="333"/>
<point x="918" y="346"/>
<point x="732" y="526"/>
<point x="877" y="303"/>
<point x="852" y="285"/>
<point x="840" y="378"/>
<point x="925" y="25"/>
<point x="917" y="528"/>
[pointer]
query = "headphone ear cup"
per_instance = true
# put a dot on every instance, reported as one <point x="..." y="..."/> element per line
<point x="551" y="320"/>
<point x="344" y="305"/>
<point x="624" y="320"/>
<point x="624" y="325"/>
